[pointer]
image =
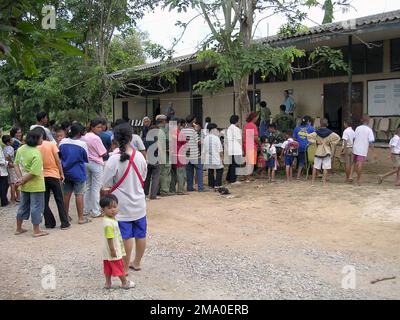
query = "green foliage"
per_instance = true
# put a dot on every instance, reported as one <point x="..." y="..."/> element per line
<point x="240" y="62"/>
<point x="326" y="56"/>
<point x="50" y="76"/>
<point x="126" y="51"/>
<point x="290" y="29"/>
<point x="22" y="38"/>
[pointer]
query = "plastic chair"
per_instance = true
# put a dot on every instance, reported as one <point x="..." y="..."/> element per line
<point x="376" y="125"/>
<point x="371" y="123"/>
<point x="383" y="128"/>
<point x="310" y="155"/>
<point x="394" y="124"/>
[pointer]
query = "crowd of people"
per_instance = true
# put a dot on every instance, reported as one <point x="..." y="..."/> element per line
<point x="111" y="170"/>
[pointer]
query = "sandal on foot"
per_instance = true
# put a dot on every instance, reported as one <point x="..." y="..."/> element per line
<point x="134" y="268"/>
<point x="86" y="220"/>
<point x="41" y="234"/>
<point x="17" y="233"/>
<point x="129" y="285"/>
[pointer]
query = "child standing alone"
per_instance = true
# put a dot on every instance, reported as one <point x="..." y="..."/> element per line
<point x="9" y="154"/>
<point x="113" y="245"/>
<point x="272" y="157"/>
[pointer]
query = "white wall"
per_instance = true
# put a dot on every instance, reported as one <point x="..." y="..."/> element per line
<point x="308" y="95"/>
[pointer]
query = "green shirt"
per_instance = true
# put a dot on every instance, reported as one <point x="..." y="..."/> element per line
<point x="30" y="161"/>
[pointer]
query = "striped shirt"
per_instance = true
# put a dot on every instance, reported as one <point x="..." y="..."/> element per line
<point x="193" y="143"/>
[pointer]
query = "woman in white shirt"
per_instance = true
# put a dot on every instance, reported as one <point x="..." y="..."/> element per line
<point x="233" y="138"/>
<point x="212" y="154"/>
<point x="130" y="193"/>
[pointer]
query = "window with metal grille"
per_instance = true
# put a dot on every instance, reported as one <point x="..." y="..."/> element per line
<point x="395" y="55"/>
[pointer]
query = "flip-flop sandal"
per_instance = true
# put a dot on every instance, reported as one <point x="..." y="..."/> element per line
<point x="135" y="269"/>
<point x="20" y="232"/>
<point x="129" y="285"/>
<point x="42" y="234"/>
<point x="107" y="288"/>
<point x="85" y="221"/>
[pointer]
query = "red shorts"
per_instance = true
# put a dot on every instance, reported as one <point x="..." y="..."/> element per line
<point x="114" y="268"/>
<point x="357" y="158"/>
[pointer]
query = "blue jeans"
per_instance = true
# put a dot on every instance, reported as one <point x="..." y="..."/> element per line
<point x="190" y="168"/>
<point x="31" y="205"/>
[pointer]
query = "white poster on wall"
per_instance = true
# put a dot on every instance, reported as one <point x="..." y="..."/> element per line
<point x="384" y="97"/>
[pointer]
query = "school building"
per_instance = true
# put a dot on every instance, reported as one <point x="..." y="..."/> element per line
<point x="371" y="45"/>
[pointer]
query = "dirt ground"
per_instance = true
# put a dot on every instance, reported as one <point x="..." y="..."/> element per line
<point x="267" y="241"/>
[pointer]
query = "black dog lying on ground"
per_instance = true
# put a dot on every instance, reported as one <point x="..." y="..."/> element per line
<point x="222" y="190"/>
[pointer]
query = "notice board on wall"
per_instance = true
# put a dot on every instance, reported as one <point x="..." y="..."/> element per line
<point x="384" y="97"/>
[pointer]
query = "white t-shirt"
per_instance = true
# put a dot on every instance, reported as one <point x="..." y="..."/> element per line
<point x="130" y="194"/>
<point x="348" y="136"/>
<point x="395" y="144"/>
<point x="272" y="150"/>
<point x="286" y="143"/>
<point x="234" y="140"/>
<point x="212" y="147"/>
<point x="48" y="133"/>
<point x="364" y="136"/>
<point x="136" y="142"/>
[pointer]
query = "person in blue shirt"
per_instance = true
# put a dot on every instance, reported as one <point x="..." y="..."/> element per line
<point x="105" y="137"/>
<point x="289" y="103"/>
<point x="300" y="135"/>
<point x="74" y="156"/>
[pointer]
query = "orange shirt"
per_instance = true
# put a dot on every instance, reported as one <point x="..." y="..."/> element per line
<point x="49" y="152"/>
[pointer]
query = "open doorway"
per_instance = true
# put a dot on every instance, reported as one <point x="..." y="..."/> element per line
<point x="336" y="104"/>
<point x="257" y="99"/>
<point x="156" y="108"/>
<point x="198" y="108"/>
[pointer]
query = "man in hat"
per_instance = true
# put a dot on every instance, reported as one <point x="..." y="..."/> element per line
<point x="165" y="175"/>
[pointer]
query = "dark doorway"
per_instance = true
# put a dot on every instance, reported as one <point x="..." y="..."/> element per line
<point x="198" y="108"/>
<point x="256" y="98"/>
<point x="125" y="111"/>
<point x="156" y="108"/>
<point x="336" y="104"/>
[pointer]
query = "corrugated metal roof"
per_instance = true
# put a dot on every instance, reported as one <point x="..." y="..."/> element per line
<point x="342" y="26"/>
<point x="347" y="25"/>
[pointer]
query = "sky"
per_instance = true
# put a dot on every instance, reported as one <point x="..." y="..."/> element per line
<point x="160" y="24"/>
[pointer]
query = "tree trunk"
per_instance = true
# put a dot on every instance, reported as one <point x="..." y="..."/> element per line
<point x="245" y="35"/>
<point x="242" y="102"/>
<point x="16" y="105"/>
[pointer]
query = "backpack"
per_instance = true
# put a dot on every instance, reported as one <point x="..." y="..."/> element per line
<point x="293" y="149"/>
<point x="265" y="152"/>
<point x="285" y="123"/>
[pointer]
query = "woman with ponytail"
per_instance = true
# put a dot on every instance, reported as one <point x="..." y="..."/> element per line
<point x="124" y="176"/>
<point x="95" y="167"/>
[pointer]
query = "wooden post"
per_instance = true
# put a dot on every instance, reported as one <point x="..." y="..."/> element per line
<point x="147" y="100"/>
<point x="190" y="89"/>
<point x="349" y="112"/>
